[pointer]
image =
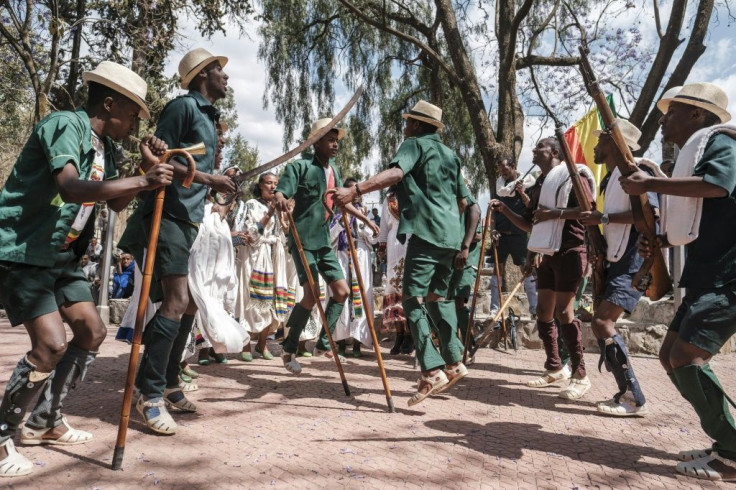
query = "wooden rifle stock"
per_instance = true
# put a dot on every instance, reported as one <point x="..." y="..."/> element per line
<point x="653" y="274"/>
<point x="595" y="238"/>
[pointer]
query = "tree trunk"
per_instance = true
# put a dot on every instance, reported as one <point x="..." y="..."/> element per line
<point x="75" y="65"/>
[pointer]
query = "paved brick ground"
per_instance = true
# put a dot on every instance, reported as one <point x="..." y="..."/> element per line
<point x="260" y="427"/>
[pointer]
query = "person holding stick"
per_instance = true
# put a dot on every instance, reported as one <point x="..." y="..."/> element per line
<point x="46" y="221"/>
<point x="305" y="181"/>
<point x="699" y="212"/>
<point x="186" y="120"/>
<point x="432" y="196"/>
<point x="622" y="262"/>
<point x="562" y="267"/>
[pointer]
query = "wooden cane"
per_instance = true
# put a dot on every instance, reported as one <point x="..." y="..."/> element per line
<point x="471" y="316"/>
<point x="485" y="338"/>
<point x="315" y="294"/>
<point x="117" y="458"/>
<point x="364" y="296"/>
<point x="499" y="282"/>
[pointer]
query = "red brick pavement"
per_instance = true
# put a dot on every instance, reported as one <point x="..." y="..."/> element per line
<point x="260" y="427"/>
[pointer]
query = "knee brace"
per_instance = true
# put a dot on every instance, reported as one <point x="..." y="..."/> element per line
<point x="616" y="358"/>
<point x="23" y="386"/>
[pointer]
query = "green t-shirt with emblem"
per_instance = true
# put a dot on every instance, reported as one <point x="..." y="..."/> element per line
<point x="429" y="191"/>
<point x="306" y="182"/>
<point x="711" y="258"/>
<point x="186" y="121"/>
<point x="35" y="223"/>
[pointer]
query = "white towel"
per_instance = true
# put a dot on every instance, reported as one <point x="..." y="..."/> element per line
<point x="213" y="284"/>
<point x="681" y="215"/>
<point x="509" y="190"/>
<point x="546" y="237"/>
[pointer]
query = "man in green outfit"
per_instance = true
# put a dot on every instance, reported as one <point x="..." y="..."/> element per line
<point x="46" y="221"/>
<point x="185" y="121"/>
<point x="305" y="181"/>
<point x="704" y="179"/>
<point x="432" y="196"/>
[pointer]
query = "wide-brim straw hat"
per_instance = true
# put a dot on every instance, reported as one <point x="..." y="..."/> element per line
<point x="667" y="96"/>
<point x="630" y="133"/>
<point x="426" y="112"/>
<point x="194" y="61"/>
<point x="122" y="80"/>
<point x="321" y="123"/>
<point x="701" y="94"/>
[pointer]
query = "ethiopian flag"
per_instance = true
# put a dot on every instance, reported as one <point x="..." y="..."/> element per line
<point x="581" y="140"/>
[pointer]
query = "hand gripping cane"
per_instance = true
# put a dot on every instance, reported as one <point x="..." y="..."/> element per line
<point x="117" y="458"/>
<point x="315" y="294"/>
<point x="368" y="317"/>
<point x="471" y="316"/>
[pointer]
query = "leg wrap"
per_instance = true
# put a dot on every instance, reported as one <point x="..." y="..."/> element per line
<point x="561" y="347"/>
<point x="332" y="312"/>
<point x="23" y="386"/>
<point x="700" y="386"/>
<point x="177" y="350"/>
<point x="161" y="333"/>
<point x="296" y="323"/>
<point x="548" y="334"/>
<point x="573" y="336"/>
<point x="70" y="369"/>
<point x="442" y="314"/>
<point x="418" y="319"/>
<point x="618" y="362"/>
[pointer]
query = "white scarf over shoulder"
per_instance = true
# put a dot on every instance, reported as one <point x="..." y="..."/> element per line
<point x="504" y="189"/>
<point x="681" y="215"/>
<point x="617" y="201"/>
<point x="546" y="237"/>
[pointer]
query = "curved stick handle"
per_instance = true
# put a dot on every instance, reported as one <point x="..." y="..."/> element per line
<point x="191" y="164"/>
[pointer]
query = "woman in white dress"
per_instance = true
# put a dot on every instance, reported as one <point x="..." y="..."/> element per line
<point x="261" y="264"/>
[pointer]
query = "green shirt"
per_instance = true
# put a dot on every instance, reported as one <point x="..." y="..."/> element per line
<point x="711" y="258"/>
<point x="429" y="191"/>
<point x="304" y="180"/>
<point x="34" y="221"/>
<point x="185" y="121"/>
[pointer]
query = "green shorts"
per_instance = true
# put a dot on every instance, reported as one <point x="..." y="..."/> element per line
<point x="322" y="261"/>
<point x="462" y="282"/>
<point x="29" y="291"/>
<point x="175" y="240"/>
<point x="427" y="269"/>
<point x="706" y="318"/>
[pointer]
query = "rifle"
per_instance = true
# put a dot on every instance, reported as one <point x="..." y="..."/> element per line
<point x="595" y="238"/>
<point x="653" y="274"/>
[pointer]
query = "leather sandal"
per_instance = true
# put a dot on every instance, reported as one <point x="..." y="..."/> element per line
<point x="14" y="464"/>
<point x="33" y="437"/>
<point x="156" y="416"/>
<point x="435" y="382"/>
<point x="453" y="376"/>
<point x="174" y="397"/>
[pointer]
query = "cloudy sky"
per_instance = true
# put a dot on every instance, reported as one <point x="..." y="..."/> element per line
<point x="258" y="125"/>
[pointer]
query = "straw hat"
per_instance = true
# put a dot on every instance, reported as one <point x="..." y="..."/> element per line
<point x="194" y="61"/>
<point x="667" y="96"/>
<point x="122" y="80"/>
<point x="702" y="94"/>
<point x="426" y="112"/>
<point x="321" y="123"/>
<point x="630" y="133"/>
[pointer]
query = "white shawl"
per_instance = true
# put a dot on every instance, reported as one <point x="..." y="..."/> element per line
<point x="546" y="237"/>
<point x="509" y="190"/>
<point x="213" y="284"/>
<point x="681" y="215"/>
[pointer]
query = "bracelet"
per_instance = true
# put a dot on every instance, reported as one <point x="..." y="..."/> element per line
<point x="357" y="190"/>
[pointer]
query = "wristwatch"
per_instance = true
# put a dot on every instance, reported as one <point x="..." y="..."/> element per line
<point x="605" y="219"/>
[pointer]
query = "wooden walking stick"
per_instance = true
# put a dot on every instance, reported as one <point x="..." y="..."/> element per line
<point x="486" y="336"/>
<point x="117" y="458"/>
<point x="499" y="282"/>
<point x="471" y="316"/>
<point x="364" y="296"/>
<point x="315" y="294"/>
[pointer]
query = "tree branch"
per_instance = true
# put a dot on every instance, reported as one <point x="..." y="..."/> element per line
<point x="533" y="59"/>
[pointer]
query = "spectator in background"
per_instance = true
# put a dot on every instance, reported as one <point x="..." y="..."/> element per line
<point x="94" y="250"/>
<point x="376" y="218"/>
<point x="122" y="281"/>
<point x="89" y="268"/>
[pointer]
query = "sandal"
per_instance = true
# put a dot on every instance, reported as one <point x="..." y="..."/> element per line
<point x="700" y="468"/>
<point x="303" y="353"/>
<point x="622" y="409"/>
<point x="156" y="416"/>
<point x="174" y="397"/>
<point x="327" y="354"/>
<point x="14" y="464"/>
<point x="184" y="377"/>
<point x="187" y="387"/>
<point x="576" y="389"/>
<point x="264" y="354"/>
<point x="33" y="437"/>
<point x="453" y="376"/>
<point x="550" y="377"/>
<point x="694" y="454"/>
<point x="203" y="359"/>
<point x="246" y="356"/>
<point x="435" y="382"/>
<point x="219" y="358"/>
<point x="190" y="372"/>
<point x="291" y="364"/>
